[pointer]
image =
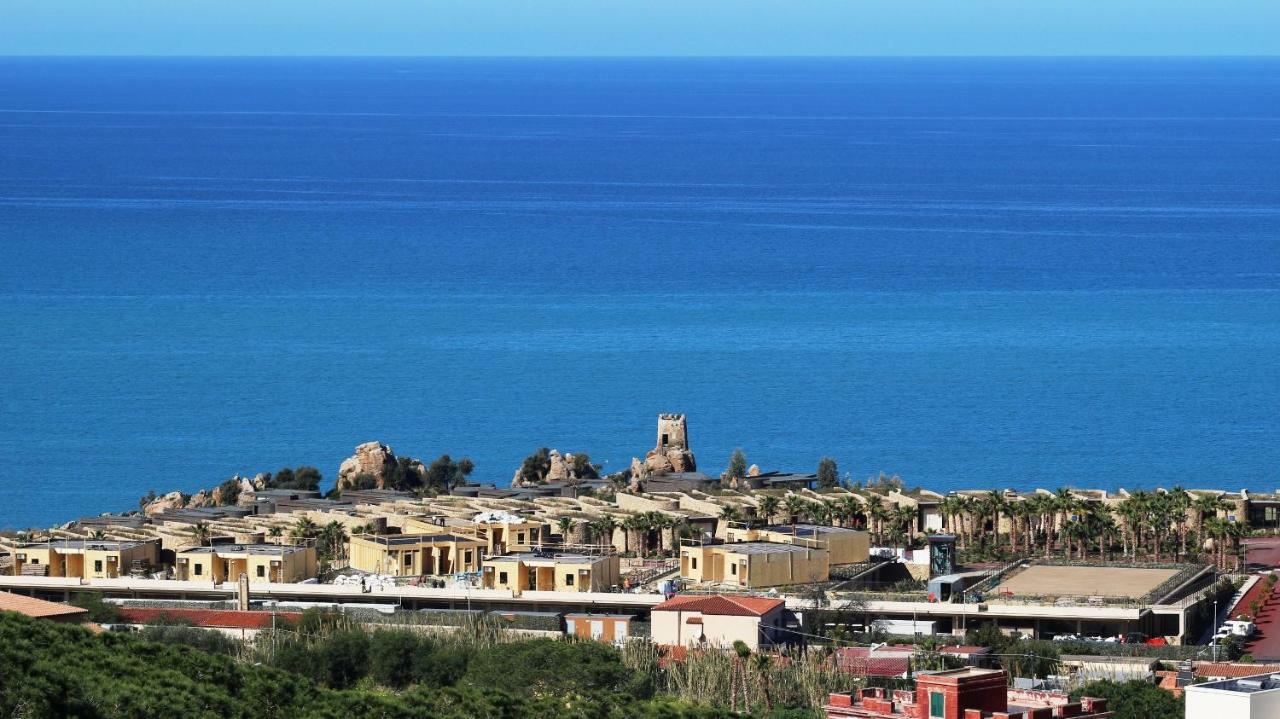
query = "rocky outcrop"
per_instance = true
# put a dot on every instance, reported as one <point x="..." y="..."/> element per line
<point x="556" y="467"/>
<point x="561" y="467"/>
<point x="372" y="458"/>
<point x="163" y="503"/>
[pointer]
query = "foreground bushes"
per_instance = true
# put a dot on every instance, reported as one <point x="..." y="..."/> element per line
<point x="52" y="670"/>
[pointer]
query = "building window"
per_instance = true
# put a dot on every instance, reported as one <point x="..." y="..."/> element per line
<point x="262" y="571"/>
<point x="568" y="580"/>
<point x="97" y="565"/>
<point x="467" y="557"/>
<point x="35" y="560"/>
<point x="408" y="560"/>
<point x="199" y="569"/>
<point x="693" y="562"/>
<point x="937" y="705"/>
<point x="520" y="538"/>
<point x="502" y="577"/>
<point x="733" y="569"/>
<point x="533" y="535"/>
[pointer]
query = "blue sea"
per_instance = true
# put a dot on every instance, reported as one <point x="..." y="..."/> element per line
<point x="967" y="272"/>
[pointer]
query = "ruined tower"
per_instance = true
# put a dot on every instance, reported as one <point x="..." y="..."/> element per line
<point x="673" y="433"/>
<point x="671" y="452"/>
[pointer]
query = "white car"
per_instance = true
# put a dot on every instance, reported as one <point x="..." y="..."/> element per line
<point x="1065" y="638"/>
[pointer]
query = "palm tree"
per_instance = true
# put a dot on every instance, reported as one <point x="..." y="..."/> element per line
<point x="333" y="537"/>
<point x="877" y="513"/>
<point x="795" y="506"/>
<point x="630" y="528"/>
<point x="1204" y="507"/>
<point x="848" y="508"/>
<point x="904" y="518"/>
<point x="303" y="529"/>
<point x="275" y="531"/>
<point x="1179" y="504"/>
<point x="565" y="525"/>
<point x="1065" y="504"/>
<point x="768" y="507"/>
<point x="604" y="531"/>
<point x="97" y="534"/>
<point x="1106" y="530"/>
<point x="729" y="514"/>
<point x="200" y="533"/>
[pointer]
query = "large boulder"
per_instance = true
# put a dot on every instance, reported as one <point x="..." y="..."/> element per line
<point x="372" y="458"/>
<point x="159" y="505"/>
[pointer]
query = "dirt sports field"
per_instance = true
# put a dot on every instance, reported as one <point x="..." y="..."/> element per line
<point x="1084" y="581"/>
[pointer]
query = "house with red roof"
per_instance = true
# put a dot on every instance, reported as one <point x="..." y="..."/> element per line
<point x="718" y="620"/>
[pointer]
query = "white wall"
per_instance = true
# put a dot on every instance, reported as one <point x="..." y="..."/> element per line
<point x="1209" y="703"/>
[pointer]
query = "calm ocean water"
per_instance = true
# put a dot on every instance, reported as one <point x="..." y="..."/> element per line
<point x="967" y="272"/>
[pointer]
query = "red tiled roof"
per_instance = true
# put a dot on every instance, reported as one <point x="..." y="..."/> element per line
<point x="1228" y="670"/>
<point x="213" y="618"/>
<point x="721" y="605"/>
<point x="38" y="608"/>
<point x="860" y="662"/>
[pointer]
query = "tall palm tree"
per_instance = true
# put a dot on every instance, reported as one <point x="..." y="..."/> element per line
<point x="768" y="507"/>
<point x="604" y="528"/>
<point x="334" y="538"/>
<point x="848" y="508"/>
<point x="729" y="514"/>
<point x="1106" y="530"/>
<point x="795" y="506"/>
<point x="565" y="525"/>
<point x="999" y="508"/>
<point x="1205" y="507"/>
<point x="905" y="518"/>
<point x="1179" y="505"/>
<point x="876" y="513"/>
<point x="1065" y="504"/>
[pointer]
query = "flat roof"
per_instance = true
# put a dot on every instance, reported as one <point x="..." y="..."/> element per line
<point x="1242" y="685"/>
<point x="82" y="544"/>
<point x="559" y="558"/>
<point x="1077" y="581"/>
<point x="399" y="540"/>
<point x="761" y="548"/>
<point x="809" y="530"/>
<point x="263" y="549"/>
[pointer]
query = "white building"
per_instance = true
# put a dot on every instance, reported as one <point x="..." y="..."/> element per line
<point x="1255" y="697"/>
<point x="717" y="621"/>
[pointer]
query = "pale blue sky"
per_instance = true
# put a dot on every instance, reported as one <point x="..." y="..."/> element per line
<point x="640" y="27"/>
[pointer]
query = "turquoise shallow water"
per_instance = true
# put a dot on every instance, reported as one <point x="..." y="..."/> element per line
<point x="970" y="273"/>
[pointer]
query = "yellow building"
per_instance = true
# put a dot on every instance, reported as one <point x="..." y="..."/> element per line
<point x="501" y="532"/>
<point x="416" y="555"/>
<point x="846" y="546"/>
<point x="751" y="565"/>
<point x="85" y="559"/>
<point x="261" y="562"/>
<point x="530" y="571"/>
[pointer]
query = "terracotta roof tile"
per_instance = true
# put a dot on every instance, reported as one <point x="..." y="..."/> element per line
<point x="1229" y="670"/>
<point x="39" y="608"/>
<point x="721" y="605"/>
<point x="212" y="618"/>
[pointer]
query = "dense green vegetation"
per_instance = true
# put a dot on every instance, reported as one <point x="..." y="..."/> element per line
<point x="1134" y="700"/>
<point x="56" y="670"/>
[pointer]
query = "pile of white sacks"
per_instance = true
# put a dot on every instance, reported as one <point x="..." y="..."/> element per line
<point x="366" y="582"/>
<point x="496" y="517"/>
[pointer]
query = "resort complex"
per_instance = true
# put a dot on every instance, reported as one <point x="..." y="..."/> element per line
<point x="772" y="562"/>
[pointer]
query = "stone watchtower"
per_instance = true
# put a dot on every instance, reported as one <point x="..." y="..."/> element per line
<point x="671" y="452"/>
<point x="673" y="433"/>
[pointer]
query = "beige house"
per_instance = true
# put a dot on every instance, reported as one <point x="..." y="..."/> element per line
<point x="718" y="621"/>
<point x="530" y="571"/>
<point x="845" y="546"/>
<point x="500" y="532"/>
<point x="751" y="565"/>
<point x="220" y="563"/>
<point x="416" y="555"/>
<point x="85" y="559"/>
